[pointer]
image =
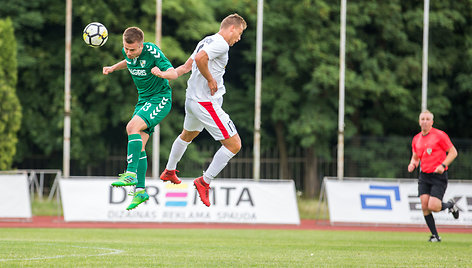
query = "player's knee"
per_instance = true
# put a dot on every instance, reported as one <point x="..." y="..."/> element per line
<point x="434" y="207"/>
<point x="424" y="207"/>
<point x="235" y="146"/>
<point x="238" y="146"/>
<point x="188" y="136"/>
<point x="131" y="129"/>
<point x="185" y="138"/>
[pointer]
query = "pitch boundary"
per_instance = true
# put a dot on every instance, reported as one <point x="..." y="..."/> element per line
<point x="58" y="222"/>
<point x="112" y="251"/>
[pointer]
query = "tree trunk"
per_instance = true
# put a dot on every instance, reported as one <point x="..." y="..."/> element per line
<point x="312" y="182"/>
<point x="283" y="155"/>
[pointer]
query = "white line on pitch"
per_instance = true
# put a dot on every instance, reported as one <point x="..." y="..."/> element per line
<point x="113" y="251"/>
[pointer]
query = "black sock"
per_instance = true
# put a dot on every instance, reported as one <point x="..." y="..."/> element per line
<point x="431" y="224"/>
<point x="446" y="205"/>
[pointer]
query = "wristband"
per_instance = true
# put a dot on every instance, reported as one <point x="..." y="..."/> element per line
<point x="444" y="166"/>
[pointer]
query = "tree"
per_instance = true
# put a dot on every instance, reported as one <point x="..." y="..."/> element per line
<point x="101" y="105"/>
<point x="300" y="76"/>
<point x="300" y="79"/>
<point x="10" y="109"/>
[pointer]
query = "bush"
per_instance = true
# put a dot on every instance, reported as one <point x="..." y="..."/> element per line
<point x="10" y="108"/>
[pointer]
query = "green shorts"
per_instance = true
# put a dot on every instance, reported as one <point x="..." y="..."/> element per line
<point x="153" y="111"/>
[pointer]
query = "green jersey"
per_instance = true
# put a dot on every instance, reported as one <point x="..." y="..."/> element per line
<point x="149" y="85"/>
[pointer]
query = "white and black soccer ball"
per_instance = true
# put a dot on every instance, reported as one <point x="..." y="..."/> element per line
<point x="95" y="34"/>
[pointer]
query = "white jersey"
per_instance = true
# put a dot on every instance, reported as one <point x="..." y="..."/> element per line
<point x="197" y="86"/>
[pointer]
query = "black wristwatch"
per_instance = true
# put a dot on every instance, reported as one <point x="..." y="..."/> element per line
<point x="442" y="164"/>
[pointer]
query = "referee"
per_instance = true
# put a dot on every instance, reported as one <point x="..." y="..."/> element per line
<point x="435" y="151"/>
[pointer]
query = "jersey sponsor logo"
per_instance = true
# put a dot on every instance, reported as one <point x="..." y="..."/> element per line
<point x="153" y="51"/>
<point x="137" y="72"/>
<point x="158" y="108"/>
<point x="204" y="42"/>
<point x="207" y="40"/>
<point x="142" y="63"/>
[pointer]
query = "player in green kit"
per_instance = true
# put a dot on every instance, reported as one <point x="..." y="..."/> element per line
<point x="150" y="71"/>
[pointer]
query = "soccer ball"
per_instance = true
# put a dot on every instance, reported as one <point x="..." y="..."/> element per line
<point x="95" y="34"/>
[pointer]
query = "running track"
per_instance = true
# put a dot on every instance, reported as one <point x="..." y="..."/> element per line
<point x="58" y="222"/>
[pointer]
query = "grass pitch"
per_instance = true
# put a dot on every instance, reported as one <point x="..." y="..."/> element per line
<point x="22" y="247"/>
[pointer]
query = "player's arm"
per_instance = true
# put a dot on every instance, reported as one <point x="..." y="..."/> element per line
<point x="118" y="66"/>
<point x="451" y="155"/>
<point x="414" y="162"/>
<point x="202" y="63"/>
<point x="185" y="68"/>
<point x="169" y="74"/>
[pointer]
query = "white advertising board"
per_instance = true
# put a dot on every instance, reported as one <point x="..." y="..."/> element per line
<point x="371" y="201"/>
<point x="15" y="198"/>
<point x="232" y="201"/>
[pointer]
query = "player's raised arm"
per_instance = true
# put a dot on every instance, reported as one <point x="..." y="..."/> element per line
<point x="185" y="68"/>
<point x="118" y="66"/>
<point x="169" y="74"/>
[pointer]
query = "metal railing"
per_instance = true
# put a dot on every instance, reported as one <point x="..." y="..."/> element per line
<point x="41" y="181"/>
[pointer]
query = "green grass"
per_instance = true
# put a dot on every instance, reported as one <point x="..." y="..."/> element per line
<point x="24" y="247"/>
<point x="310" y="209"/>
<point x="43" y="207"/>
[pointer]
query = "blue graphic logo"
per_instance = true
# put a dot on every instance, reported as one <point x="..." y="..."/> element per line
<point x="382" y="202"/>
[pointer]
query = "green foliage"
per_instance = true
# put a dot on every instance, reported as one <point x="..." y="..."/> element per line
<point x="300" y="84"/>
<point x="10" y="109"/>
<point x="101" y="105"/>
<point x="383" y="158"/>
<point x="8" y="72"/>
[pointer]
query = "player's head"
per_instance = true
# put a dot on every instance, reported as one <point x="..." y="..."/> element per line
<point x="426" y="120"/>
<point x="232" y="28"/>
<point x="133" y="39"/>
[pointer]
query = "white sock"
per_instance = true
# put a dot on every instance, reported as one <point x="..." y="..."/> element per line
<point x="178" y="149"/>
<point x="220" y="160"/>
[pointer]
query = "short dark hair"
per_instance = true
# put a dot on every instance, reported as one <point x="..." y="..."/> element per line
<point x="133" y="34"/>
<point x="233" y="19"/>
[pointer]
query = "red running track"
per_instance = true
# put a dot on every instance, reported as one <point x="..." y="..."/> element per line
<point x="58" y="222"/>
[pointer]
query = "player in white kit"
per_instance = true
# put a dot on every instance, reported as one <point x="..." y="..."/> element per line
<point x="204" y="97"/>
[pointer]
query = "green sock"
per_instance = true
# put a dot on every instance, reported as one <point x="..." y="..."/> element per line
<point x="142" y="168"/>
<point x="135" y="144"/>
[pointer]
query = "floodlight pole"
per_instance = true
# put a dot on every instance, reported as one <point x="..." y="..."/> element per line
<point x="67" y="94"/>
<point x="342" y="52"/>
<point x="424" y="84"/>
<point x="257" y="105"/>
<point x="156" y="140"/>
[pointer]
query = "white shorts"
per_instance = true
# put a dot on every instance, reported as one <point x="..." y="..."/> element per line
<point x="208" y="115"/>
